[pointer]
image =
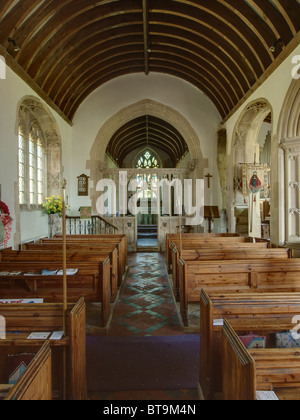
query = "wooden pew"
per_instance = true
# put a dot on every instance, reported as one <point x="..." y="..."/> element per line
<point x="253" y="251"/>
<point x="117" y="270"/>
<point x="222" y="276"/>
<point x="214" y="308"/>
<point x="247" y="371"/>
<point x="56" y="255"/>
<point x="36" y="381"/>
<point x="103" y="244"/>
<point x="22" y="320"/>
<point x="120" y="240"/>
<point x="91" y="282"/>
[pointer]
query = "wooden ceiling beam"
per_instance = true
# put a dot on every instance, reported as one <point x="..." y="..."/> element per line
<point x="12" y="20"/>
<point x="98" y="65"/>
<point x="220" y="22"/>
<point x="177" y="69"/>
<point x="146" y="34"/>
<point x="70" y="47"/>
<point x="155" y="128"/>
<point x="228" y="55"/>
<point x="290" y="11"/>
<point x="143" y="131"/>
<point x="69" y="23"/>
<point x="87" y="47"/>
<point x="4" y="7"/>
<point x="66" y="80"/>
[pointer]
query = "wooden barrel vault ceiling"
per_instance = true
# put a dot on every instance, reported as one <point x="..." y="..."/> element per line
<point x="147" y="131"/>
<point x="66" y="49"/>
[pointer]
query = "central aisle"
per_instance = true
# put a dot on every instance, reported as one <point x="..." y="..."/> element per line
<point x="146" y="306"/>
<point x="145" y="354"/>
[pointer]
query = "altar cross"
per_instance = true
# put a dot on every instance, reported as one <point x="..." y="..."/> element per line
<point x="208" y="176"/>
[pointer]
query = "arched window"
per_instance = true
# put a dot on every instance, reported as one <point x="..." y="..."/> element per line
<point x="148" y="161"/>
<point x="31" y="165"/>
<point x="39" y="154"/>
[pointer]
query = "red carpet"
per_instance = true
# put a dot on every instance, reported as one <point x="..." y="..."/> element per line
<point x="142" y="363"/>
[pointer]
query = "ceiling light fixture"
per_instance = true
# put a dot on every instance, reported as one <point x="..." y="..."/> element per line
<point x="16" y="46"/>
<point x="277" y="42"/>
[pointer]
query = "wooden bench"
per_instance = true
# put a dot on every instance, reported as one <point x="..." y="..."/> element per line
<point x="112" y="251"/>
<point x="92" y="281"/>
<point x="22" y="320"/>
<point x="221" y="276"/>
<point x="36" y="381"/>
<point x="253" y="251"/>
<point x="247" y="371"/>
<point x="214" y="308"/>
<point x="196" y="240"/>
<point x="96" y="243"/>
<point x="106" y="239"/>
<point x="56" y="255"/>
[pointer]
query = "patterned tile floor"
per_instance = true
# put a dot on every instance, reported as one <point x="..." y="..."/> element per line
<point x="145" y="308"/>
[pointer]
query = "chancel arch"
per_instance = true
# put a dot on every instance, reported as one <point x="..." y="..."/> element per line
<point x="168" y="133"/>
<point x="251" y="163"/>
<point x="156" y="110"/>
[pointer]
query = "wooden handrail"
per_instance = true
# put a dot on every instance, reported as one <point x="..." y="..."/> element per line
<point x="95" y="217"/>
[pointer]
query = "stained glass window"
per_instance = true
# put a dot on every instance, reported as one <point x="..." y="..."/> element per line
<point x="147" y="161"/>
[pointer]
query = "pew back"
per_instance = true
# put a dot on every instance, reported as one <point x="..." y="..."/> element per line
<point x="28" y="318"/>
<point x="215" y="308"/>
<point x="192" y="241"/>
<point x="272" y="367"/>
<point x="36" y="381"/>
<point x="261" y="276"/>
<point x="251" y="252"/>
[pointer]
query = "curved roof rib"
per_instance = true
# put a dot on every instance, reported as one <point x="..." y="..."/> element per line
<point x="68" y="48"/>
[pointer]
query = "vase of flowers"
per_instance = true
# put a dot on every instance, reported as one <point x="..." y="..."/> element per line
<point x="53" y="207"/>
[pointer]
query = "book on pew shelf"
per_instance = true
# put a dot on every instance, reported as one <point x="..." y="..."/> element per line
<point x="266" y="396"/>
<point x="21" y="301"/>
<point x="10" y="273"/>
<point x="69" y="272"/>
<point x="38" y="336"/>
<point x="49" y="272"/>
<point x="33" y="273"/>
<point x="218" y="322"/>
<point x="57" y="335"/>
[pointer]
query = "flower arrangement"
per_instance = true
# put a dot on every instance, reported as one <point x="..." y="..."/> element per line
<point x="53" y="205"/>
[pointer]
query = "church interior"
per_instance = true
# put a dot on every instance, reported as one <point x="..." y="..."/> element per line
<point x="149" y="200"/>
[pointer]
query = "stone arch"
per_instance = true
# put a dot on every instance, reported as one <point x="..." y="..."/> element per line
<point x="31" y="110"/>
<point x="247" y="129"/>
<point x="245" y="148"/>
<point x="96" y="164"/>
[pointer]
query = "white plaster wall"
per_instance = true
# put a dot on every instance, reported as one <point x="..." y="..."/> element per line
<point x="12" y="90"/>
<point x="274" y="90"/>
<point x="112" y="97"/>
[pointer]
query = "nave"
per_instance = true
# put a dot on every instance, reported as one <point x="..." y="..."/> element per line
<point x="145" y="318"/>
